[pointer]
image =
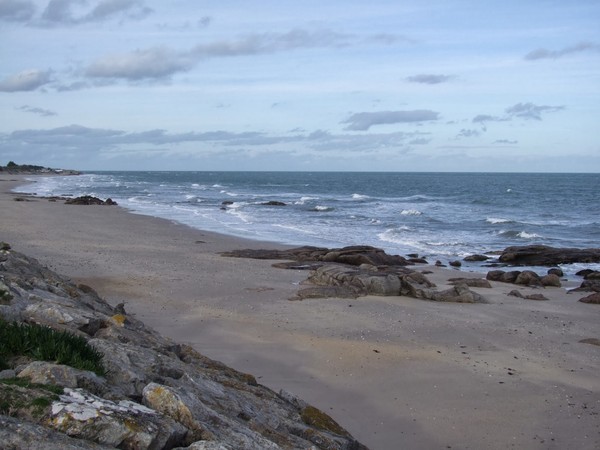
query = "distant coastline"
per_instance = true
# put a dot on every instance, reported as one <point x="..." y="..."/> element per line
<point x="31" y="169"/>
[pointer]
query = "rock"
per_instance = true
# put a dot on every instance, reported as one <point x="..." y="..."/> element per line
<point x="528" y="278"/>
<point x="584" y="272"/>
<point x="17" y="434"/>
<point x="458" y="294"/>
<point x="186" y="396"/>
<point x="352" y="255"/>
<point x="438" y="263"/>
<point x="273" y="203"/>
<point x="593" y="341"/>
<point x="541" y="255"/>
<point x="588" y="286"/>
<point x="594" y="275"/>
<point x="89" y="200"/>
<point x="592" y="299"/>
<point x="515" y="293"/>
<point x="476" y="258"/>
<point x="556" y="271"/>
<point x="550" y="280"/>
<point x="455" y="263"/>
<point x="502" y="276"/>
<point x="4" y="246"/>
<point x="535" y="297"/>
<point x="42" y="372"/>
<point x="471" y="282"/>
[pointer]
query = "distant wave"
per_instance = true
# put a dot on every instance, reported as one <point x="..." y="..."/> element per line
<point x="359" y="197"/>
<point x="495" y="220"/>
<point x="411" y="212"/>
<point x="322" y="208"/>
<point x="518" y="234"/>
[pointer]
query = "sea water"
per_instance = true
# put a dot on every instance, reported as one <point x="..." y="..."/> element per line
<point x="439" y="216"/>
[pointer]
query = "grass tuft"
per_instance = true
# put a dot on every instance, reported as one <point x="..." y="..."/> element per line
<point x="46" y="344"/>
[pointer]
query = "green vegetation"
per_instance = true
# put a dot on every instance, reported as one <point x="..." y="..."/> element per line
<point x="46" y="344"/>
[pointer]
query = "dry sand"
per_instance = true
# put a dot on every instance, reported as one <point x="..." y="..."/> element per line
<point x="396" y="372"/>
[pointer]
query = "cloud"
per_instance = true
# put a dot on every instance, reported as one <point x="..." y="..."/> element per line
<point x="531" y="111"/>
<point x="429" y="78"/>
<point x="27" y="80"/>
<point x="163" y="62"/>
<point x="40" y="111"/>
<point x="16" y="10"/>
<point x="61" y="12"/>
<point x="542" y="53"/>
<point x="505" y="141"/>
<point x="78" y="140"/>
<point x="484" y="118"/>
<point x="365" y="120"/>
<point x="157" y="62"/>
<point x="468" y="133"/>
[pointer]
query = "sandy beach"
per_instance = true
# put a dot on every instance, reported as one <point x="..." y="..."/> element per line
<point x="395" y="371"/>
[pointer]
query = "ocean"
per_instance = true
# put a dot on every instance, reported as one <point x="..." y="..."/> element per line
<point x="439" y="216"/>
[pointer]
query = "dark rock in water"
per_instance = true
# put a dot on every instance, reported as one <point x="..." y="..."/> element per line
<point x="592" y="298"/>
<point x="274" y="203"/>
<point x="417" y="260"/>
<point x="413" y="255"/>
<point x="556" y="271"/>
<point x="438" y="263"/>
<point x="542" y="255"/>
<point x="89" y="200"/>
<point x="588" y="286"/>
<point x="476" y="258"/>
<point x="227" y="202"/>
<point x="154" y="394"/>
<point x="584" y="272"/>
<point x="455" y="263"/>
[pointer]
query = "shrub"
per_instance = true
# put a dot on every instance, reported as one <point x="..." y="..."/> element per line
<point x="46" y="344"/>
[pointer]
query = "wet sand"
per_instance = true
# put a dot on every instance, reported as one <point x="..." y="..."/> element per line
<point x="395" y="371"/>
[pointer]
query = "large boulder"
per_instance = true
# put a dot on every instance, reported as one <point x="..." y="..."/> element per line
<point x="542" y="255"/>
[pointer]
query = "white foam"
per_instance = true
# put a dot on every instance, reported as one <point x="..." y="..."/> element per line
<point x="411" y="212"/>
<point x="495" y="220"/>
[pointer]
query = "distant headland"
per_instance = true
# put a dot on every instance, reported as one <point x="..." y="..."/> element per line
<point x="29" y="169"/>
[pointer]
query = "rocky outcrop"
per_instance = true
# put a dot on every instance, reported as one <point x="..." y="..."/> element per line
<point x="524" y="278"/>
<point x="358" y="271"/>
<point x="155" y="394"/>
<point x="353" y="255"/>
<point x="541" y="255"/>
<point x="89" y="200"/>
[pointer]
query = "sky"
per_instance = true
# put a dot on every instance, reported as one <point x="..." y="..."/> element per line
<point x="415" y="85"/>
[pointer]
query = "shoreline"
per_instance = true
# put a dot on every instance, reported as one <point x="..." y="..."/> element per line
<point x="394" y="371"/>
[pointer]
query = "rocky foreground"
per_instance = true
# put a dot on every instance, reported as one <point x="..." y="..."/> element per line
<point x="155" y="394"/>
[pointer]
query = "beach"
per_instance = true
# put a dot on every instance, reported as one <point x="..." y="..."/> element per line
<point x="397" y="372"/>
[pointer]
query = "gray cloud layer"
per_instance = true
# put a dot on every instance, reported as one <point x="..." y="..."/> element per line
<point x="39" y="111"/>
<point x="27" y="80"/>
<point x="520" y="110"/>
<point x="81" y="140"/>
<point x="16" y="10"/>
<point x="429" y="78"/>
<point x="542" y="53"/>
<point x="161" y="62"/>
<point x="62" y="12"/>
<point x="365" y="120"/>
